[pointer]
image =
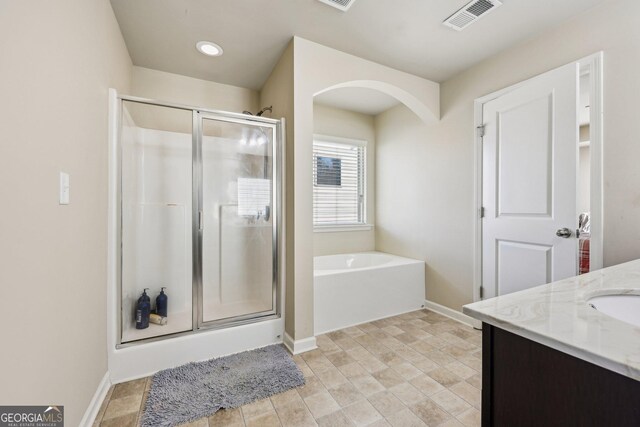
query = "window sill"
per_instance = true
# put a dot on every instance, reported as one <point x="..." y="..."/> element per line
<point x="340" y="228"/>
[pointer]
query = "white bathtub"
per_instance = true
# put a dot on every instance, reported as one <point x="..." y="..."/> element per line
<point x="357" y="288"/>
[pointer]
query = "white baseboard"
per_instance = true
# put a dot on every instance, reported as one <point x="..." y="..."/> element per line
<point x="96" y="401"/>
<point x="453" y="314"/>
<point x="299" y="346"/>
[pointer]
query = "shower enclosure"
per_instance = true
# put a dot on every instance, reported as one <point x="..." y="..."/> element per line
<point x="199" y="205"/>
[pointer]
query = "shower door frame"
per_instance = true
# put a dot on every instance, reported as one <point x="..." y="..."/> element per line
<point x="198" y="236"/>
<point x="199" y="114"/>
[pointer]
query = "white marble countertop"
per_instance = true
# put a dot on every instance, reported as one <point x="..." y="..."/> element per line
<point x="557" y="315"/>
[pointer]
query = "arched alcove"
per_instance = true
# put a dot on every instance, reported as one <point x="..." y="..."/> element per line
<point x="347" y="160"/>
<point x="317" y="69"/>
<point x="410" y="101"/>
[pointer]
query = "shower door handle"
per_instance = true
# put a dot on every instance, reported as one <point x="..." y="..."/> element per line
<point x="200" y="221"/>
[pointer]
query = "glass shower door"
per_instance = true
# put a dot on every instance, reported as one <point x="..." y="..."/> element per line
<point x="156" y="152"/>
<point x="236" y="228"/>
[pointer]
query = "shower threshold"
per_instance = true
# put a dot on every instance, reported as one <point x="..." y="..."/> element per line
<point x="181" y="322"/>
<point x="217" y="311"/>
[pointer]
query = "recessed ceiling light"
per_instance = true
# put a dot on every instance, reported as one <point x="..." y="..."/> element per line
<point x="209" y="48"/>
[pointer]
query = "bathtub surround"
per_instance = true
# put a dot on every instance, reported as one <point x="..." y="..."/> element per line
<point x="351" y="289"/>
<point x="335" y="122"/>
<point x="198" y="390"/>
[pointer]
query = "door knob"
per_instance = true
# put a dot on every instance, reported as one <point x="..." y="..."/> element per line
<point x="565" y="233"/>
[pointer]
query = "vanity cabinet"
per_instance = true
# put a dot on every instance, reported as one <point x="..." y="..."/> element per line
<point x="525" y="383"/>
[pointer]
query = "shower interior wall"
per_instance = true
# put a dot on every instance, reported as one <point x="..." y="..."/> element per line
<point x="157" y="219"/>
<point x="156" y="136"/>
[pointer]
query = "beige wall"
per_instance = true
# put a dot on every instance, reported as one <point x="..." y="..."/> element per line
<point x="423" y="200"/>
<point x="154" y="84"/>
<point x="348" y="124"/>
<point x="278" y="92"/>
<point x="58" y="61"/>
<point x="448" y="147"/>
<point x="338" y="69"/>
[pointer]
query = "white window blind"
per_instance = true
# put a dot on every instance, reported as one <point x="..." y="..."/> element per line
<point x="338" y="182"/>
<point x="254" y="196"/>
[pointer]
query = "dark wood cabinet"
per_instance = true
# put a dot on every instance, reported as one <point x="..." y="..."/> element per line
<point x="525" y="383"/>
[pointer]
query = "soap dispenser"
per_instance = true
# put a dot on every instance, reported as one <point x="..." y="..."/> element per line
<point x="143" y="310"/>
<point x="161" y="303"/>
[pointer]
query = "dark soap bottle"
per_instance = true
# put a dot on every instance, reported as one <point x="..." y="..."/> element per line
<point x="161" y="303"/>
<point x="143" y="310"/>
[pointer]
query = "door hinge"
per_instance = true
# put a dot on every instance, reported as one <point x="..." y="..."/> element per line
<point x="482" y="212"/>
<point x="481" y="292"/>
<point x="480" y="130"/>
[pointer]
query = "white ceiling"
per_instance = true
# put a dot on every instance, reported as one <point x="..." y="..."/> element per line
<point x="360" y="100"/>
<point x="404" y="34"/>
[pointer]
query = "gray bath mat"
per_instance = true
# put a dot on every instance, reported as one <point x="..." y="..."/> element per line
<point x="196" y="390"/>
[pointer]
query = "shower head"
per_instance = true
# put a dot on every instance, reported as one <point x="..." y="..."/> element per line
<point x="259" y="113"/>
<point x="265" y="109"/>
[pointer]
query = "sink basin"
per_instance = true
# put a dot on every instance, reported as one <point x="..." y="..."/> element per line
<point x="621" y="307"/>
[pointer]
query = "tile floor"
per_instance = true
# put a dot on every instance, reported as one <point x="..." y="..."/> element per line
<point x="415" y="369"/>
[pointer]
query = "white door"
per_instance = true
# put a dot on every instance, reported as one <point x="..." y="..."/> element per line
<point x="529" y="185"/>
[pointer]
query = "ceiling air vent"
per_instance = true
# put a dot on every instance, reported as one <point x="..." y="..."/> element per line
<point x="470" y="13"/>
<point x="343" y="5"/>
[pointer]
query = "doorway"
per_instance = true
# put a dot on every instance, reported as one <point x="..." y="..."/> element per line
<point x="539" y="180"/>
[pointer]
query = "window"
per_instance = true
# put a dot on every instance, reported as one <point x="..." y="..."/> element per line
<point x="338" y="181"/>
<point x="329" y="171"/>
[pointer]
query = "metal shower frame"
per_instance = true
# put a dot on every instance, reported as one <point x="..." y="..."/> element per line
<point x="198" y="115"/>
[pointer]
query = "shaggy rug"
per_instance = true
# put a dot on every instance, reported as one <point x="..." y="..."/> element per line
<point x="196" y="390"/>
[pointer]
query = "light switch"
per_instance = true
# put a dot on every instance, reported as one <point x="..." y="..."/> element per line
<point x="64" y="188"/>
